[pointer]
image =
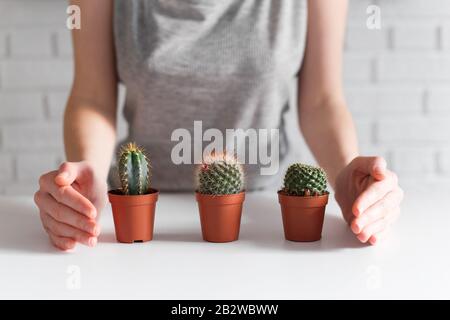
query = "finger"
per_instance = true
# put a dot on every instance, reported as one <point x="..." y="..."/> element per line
<point x="68" y="196"/>
<point x="72" y="198"/>
<point x="66" y="231"/>
<point x="69" y="172"/>
<point x="64" y="214"/>
<point x="377" y="211"/>
<point x="62" y="243"/>
<point x="374" y="192"/>
<point x="47" y="179"/>
<point x="380" y="236"/>
<point x="372" y="229"/>
<point x="378" y="168"/>
<point x="374" y="166"/>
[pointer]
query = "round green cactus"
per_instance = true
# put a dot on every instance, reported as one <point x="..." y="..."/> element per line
<point x="220" y="175"/>
<point x="134" y="170"/>
<point x="305" y="180"/>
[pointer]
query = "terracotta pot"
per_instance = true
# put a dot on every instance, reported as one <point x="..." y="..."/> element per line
<point x="134" y="216"/>
<point x="302" y="216"/>
<point x="220" y="216"/>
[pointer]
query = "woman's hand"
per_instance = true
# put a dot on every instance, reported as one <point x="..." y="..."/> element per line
<point x="369" y="197"/>
<point x="69" y="201"/>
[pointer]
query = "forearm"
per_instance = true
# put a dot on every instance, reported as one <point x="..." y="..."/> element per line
<point x="89" y="134"/>
<point x="330" y="134"/>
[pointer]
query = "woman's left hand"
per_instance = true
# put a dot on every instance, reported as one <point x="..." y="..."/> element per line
<point x="369" y="197"/>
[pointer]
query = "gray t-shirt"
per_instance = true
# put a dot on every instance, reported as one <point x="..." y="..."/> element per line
<point x="231" y="64"/>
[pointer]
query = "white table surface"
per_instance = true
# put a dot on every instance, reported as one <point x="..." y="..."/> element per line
<point x="177" y="264"/>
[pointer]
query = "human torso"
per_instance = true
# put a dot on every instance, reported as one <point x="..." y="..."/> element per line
<point x="229" y="64"/>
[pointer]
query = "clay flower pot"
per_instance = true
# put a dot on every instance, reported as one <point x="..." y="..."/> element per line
<point x="302" y="216"/>
<point x="134" y="215"/>
<point x="220" y="216"/>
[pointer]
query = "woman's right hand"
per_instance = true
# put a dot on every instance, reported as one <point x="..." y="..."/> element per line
<point x="69" y="201"/>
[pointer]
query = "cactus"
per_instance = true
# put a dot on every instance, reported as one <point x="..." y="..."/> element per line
<point x="134" y="170"/>
<point x="220" y="174"/>
<point x="305" y="180"/>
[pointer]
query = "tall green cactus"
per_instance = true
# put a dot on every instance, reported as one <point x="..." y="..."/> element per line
<point x="305" y="180"/>
<point x="134" y="170"/>
<point x="220" y="174"/>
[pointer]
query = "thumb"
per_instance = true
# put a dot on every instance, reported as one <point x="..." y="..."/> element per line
<point x="373" y="166"/>
<point x="378" y="168"/>
<point x="67" y="173"/>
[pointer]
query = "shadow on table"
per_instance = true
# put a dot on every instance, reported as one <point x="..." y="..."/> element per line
<point x="262" y="225"/>
<point x="177" y="232"/>
<point x="21" y="229"/>
<point x="182" y="236"/>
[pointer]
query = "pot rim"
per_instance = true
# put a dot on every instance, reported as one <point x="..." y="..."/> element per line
<point x="302" y="201"/>
<point x="116" y="192"/>
<point x="220" y="199"/>
<point x="140" y="199"/>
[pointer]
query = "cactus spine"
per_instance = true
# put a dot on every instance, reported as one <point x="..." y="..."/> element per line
<point x="220" y="174"/>
<point x="305" y="180"/>
<point x="134" y="170"/>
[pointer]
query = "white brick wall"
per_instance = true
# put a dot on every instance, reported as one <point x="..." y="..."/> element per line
<point x="415" y="8"/>
<point x="3" y="39"/>
<point x="31" y="42"/>
<point x="408" y="66"/>
<point x="445" y="36"/>
<point x="40" y="74"/>
<point x="6" y="168"/>
<point x="35" y="72"/>
<point x="31" y="136"/>
<point x="444" y="161"/>
<point x="439" y="101"/>
<point x="360" y="39"/>
<point x="407" y="97"/>
<point x="21" y="106"/>
<point x="416" y="36"/>
<point x="358" y="68"/>
<point x="380" y="102"/>
<point x="42" y="162"/>
<point x="56" y="102"/>
<point x="397" y="85"/>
